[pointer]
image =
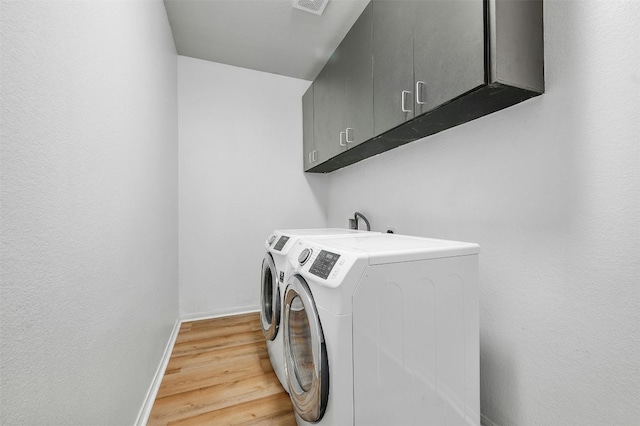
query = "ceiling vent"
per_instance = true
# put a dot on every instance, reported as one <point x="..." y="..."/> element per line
<point x="312" y="6"/>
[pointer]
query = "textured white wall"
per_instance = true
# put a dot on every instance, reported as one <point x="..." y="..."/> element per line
<point x="550" y="189"/>
<point x="240" y="168"/>
<point x="89" y="208"/>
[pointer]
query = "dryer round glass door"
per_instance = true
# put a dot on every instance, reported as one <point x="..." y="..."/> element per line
<point x="269" y="299"/>
<point x="305" y="353"/>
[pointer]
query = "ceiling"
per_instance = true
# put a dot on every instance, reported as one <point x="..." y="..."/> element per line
<point x="264" y="35"/>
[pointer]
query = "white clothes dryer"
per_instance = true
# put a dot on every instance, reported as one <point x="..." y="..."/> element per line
<point x="383" y="329"/>
<point x="273" y="278"/>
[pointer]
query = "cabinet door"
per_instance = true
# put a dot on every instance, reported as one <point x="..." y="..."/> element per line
<point x="358" y="65"/>
<point x="448" y="50"/>
<point x="392" y="63"/>
<point x="329" y="110"/>
<point x="307" y="129"/>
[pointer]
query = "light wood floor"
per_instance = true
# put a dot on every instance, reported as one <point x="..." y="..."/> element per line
<point x="219" y="373"/>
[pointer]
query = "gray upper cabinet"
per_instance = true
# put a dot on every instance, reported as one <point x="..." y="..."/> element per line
<point x="358" y="66"/>
<point x="310" y="155"/>
<point x="448" y="50"/>
<point x="392" y="63"/>
<point x="343" y="94"/>
<point x="425" y="54"/>
<point x="408" y="69"/>
<point x="329" y="109"/>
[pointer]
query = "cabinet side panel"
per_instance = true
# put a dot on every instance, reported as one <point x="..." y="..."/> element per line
<point x="519" y="43"/>
<point x="307" y="128"/>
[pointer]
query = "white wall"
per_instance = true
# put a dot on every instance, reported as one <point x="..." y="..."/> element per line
<point x="240" y="168"/>
<point x="89" y="208"/>
<point x="550" y="189"/>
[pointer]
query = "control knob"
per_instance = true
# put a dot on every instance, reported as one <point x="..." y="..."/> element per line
<point x="271" y="239"/>
<point x="304" y="256"/>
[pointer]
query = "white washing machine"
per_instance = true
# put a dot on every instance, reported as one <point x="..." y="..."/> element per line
<point x="383" y="330"/>
<point x="273" y="279"/>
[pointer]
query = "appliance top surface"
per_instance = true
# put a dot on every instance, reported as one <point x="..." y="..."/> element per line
<point x="286" y="239"/>
<point x="318" y="231"/>
<point x="386" y="248"/>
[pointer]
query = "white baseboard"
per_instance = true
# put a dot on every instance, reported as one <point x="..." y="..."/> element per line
<point x="143" y="415"/>
<point x="485" y="421"/>
<point x="215" y="314"/>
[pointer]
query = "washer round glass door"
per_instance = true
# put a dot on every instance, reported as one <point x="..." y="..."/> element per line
<point x="269" y="299"/>
<point x="305" y="352"/>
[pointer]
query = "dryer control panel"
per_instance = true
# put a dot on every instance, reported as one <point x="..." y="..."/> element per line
<point x="323" y="264"/>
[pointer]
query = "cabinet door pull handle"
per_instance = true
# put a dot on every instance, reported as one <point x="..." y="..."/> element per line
<point x="404" y="101"/>
<point x="310" y="160"/>
<point x="315" y="157"/>
<point x="341" y="135"/>
<point x="419" y="101"/>
<point x="346" y="132"/>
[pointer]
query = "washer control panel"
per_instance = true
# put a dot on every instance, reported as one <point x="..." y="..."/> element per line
<point x="324" y="263"/>
<point x="281" y="242"/>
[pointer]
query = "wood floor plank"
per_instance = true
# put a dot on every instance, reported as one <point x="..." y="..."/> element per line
<point x="217" y="329"/>
<point x="203" y="400"/>
<point x="203" y="375"/>
<point x="221" y="322"/>
<point x="258" y="349"/>
<point x="219" y="373"/>
<point x="215" y="343"/>
<point x="273" y="410"/>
